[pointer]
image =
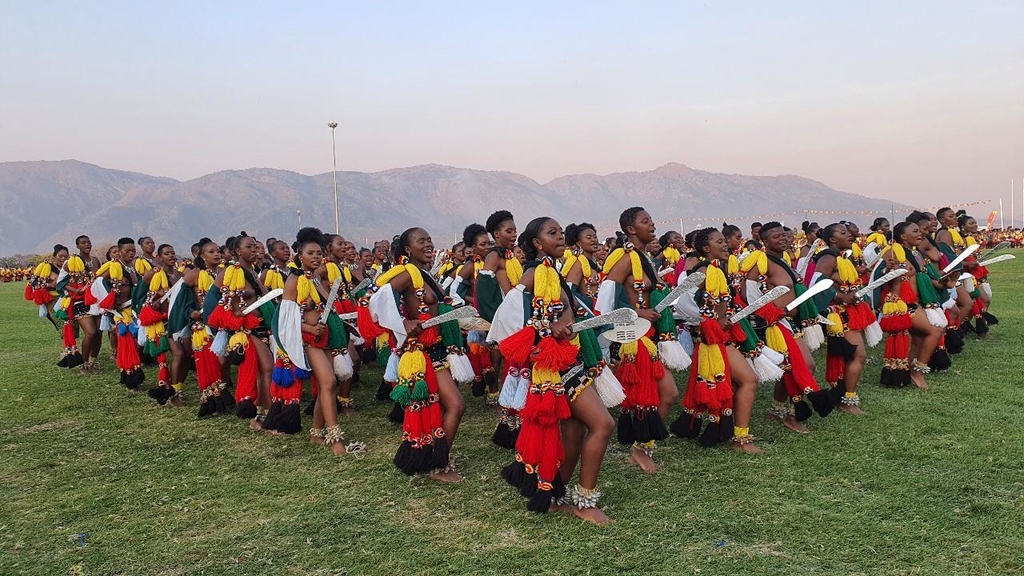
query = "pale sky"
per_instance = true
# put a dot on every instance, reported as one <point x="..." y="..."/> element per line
<point x="919" y="99"/>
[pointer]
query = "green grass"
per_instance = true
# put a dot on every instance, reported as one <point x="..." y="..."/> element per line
<point x="929" y="483"/>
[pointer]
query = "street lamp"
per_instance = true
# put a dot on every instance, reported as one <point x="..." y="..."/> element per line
<point x="334" y="150"/>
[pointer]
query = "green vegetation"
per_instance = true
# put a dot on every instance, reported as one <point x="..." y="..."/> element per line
<point x="94" y="480"/>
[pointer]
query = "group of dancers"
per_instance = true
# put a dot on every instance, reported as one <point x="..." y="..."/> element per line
<point x="553" y="328"/>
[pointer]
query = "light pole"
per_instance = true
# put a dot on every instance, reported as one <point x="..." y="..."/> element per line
<point x="334" y="151"/>
<point x="298" y="214"/>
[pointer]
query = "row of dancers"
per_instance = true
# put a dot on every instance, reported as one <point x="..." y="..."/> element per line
<point x="551" y="327"/>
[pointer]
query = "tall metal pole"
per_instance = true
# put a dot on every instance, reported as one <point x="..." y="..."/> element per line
<point x="334" y="151"/>
<point x="298" y="214"/>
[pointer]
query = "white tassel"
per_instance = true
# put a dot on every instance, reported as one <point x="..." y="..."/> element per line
<point x="220" y="343"/>
<point x="343" y="367"/>
<point x="986" y="290"/>
<point x="814" y="337"/>
<point x="766" y="370"/>
<point x="686" y="341"/>
<point x="461" y="369"/>
<point x="949" y="304"/>
<point x="357" y="341"/>
<point x="391" y="371"/>
<point x="508" y="391"/>
<point x="522" y="389"/>
<point x="609" y="389"/>
<point x="873" y="334"/>
<point x="772" y="356"/>
<point x="936" y="317"/>
<point x="42" y="312"/>
<point x="969" y="284"/>
<point x="673" y="356"/>
<point x="141" y="335"/>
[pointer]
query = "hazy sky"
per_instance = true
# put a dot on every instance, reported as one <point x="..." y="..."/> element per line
<point x="923" y="99"/>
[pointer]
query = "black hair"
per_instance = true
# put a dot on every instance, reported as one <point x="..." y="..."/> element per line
<point x="666" y="238"/>
<point x="916" y="217"/>
<point x="194" y="247"/>
<point x="401" y="242"/>
<point x="628" y="217"/>
<point x="829" y="231"/>
<point x="876" y="225"/>
<point x="458" y="246"/>
<point x="752" y="245"/>
<point x="573" y="231"/>
<point x="109" y="250"/>
<point x="729" y="230"/>
<point x="79" y="239"/>
<point x="161" y="247"/>
<point x="141" y="238"/>
<point x="701" y="238"/>
<point x="495" y="220"/>
<point x="756" y="225"/>
<point x="307" y="235"/>
<point x="688" y="239"/>
<point x="808" y="227"/>
<point x="58" y="247"/>
<point x="364" y="251"/>
<point x="203" y="242"/>
<point x="898" y="229"/>
<point x="529" y="234"/>
<point x="472" y="232"/>
<point x="943" y="210"/>
<point x="124" y="240"/>
<point x="962" y="219"/>
<point x="767" y="226"/>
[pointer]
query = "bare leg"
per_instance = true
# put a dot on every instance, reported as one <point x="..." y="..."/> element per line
<point x="924" y="339"/>
<point x="854" y="368"/>
<point x="589" y="412"/>
<point x="323" y="371"/>
<point x="454" y="406"/>
<point x="780" y="400"/>
<point x="90" y="336"/>
<point x="178" y="370"/>
<point x="808" y="356"/>
<point x="668" y="394"/>
<point x="266" y="359"/>
<point x="745" y="382"/>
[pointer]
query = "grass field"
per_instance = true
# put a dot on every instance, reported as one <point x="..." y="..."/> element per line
<point x="94" y="480"/>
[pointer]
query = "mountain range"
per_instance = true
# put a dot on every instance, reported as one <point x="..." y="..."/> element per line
<point x="47" y="202"/>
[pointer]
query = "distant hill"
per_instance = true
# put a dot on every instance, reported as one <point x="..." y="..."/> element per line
<point x="49" y="202"/>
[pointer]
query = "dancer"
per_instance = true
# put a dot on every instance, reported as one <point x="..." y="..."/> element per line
<point x="407" y="297"/>
<point x="564" y="419"/>
<point x="719" y="363"/>
<point x="853" y="326"/>
<point x="632" y="281"/>
<point x="241" y="334"/>
<point x="766" y="270"/>
<point x="303" y="340"/>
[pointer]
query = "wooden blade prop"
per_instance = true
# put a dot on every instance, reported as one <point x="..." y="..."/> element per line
<point x="618" y="316"/>
<point x="882" y="280"/>
<point x="689" y="282"/>
<point x="818" y="287"/>
<point x="263" y="300"/>
<point x="331" y="297"/>
<point x="462" y="312"/>
<point x="963" y="256"/>
<point x="997" y="259"/>
<point x="761" y="302"/>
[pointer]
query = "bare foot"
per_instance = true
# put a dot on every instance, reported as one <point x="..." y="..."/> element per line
<point x="447" y="477"/>
<point x="774" y="417"/>
<point x="855" y="410"/>
<point x="347" y="412"/>
<point x="748" y="448"/>
<point x="318" y="440"/>
<point x="133" y="390"/>
<point x="595" y="516"/>
<point x="795" y="425"/>
<point x="338" y="449"/>
<point x="645" y="462"/>
<point x="918" y="379"/>
<point x="256" y="425"/>
<point x="494" y="408"/>
<point x="176" y="401"/>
